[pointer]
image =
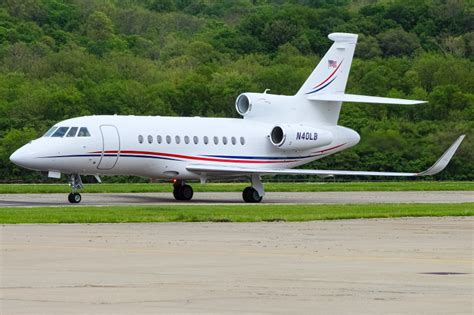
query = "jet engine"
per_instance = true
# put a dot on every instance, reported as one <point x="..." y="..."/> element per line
<point x="243" y="104"/>
<point x="263" y="106"/>
<point x="299" y="137"/>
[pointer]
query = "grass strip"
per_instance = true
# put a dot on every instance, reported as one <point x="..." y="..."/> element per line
<point x="226" y="213"/>
<point x="233" y="187"/>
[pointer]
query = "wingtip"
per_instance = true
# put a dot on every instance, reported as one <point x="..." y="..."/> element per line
<point x="444" y="160"/>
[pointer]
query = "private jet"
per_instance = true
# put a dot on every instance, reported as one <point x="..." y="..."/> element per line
<point x="276" y="134"/>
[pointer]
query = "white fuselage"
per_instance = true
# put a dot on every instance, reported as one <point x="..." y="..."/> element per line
<point x="114" y="146"/>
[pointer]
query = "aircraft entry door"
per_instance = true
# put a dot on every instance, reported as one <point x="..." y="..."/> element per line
<point x="110" y="147"/>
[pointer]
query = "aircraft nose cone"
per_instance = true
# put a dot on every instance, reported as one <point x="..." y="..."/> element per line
<point x="24" y="157"/>
<point x="18" y="157"/>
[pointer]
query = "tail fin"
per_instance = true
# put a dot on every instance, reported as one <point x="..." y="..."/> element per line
<point x="330" y="75"/>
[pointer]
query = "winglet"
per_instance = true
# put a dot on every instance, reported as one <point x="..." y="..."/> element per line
<point x="444" y="159"/>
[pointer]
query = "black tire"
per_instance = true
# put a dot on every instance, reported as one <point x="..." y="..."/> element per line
<point x="187" y="192"/>
<point x="184" y="192"/>
<point x="250" y="194"/>
<point x="77" y="197"/>
<point x="70" y="198"/>
<point x="246" y="194"/>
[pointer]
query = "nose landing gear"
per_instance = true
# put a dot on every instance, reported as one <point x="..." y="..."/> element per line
<point x="182" y="191"/>
<point x="75" y="182"/>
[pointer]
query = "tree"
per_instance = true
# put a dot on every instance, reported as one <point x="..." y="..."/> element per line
<point x="367" y="47"/>
<point x="99" y="27"/>
<point x="397" y="42"/>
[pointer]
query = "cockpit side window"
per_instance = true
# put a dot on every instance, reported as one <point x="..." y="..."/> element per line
<point x="50" y="131"/>
<point x="60" y="132"/>
<point x="83" y="132"/>
<point x="72" y="132"/>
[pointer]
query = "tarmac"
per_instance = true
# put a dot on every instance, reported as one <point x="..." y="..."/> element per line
<point x="408" y="265"/>
<point x="34" y="200"/>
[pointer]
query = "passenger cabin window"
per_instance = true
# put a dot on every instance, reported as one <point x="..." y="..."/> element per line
<point x="50" y="131"/>
<point x="150" y="139"/>
<point x="196" y="140"/>
<point x="216" y="140"/>
<point x="234" y="141"/>
<point x="72" y="132"/>
<point x="224" y="140"/>
<point x="206" y="140"/>
<point x="140" y="139"/>
<point x="159" y="139"/>
<point x="60" y="132"/>
<point x="83" y="132"/>
<point x="177" y="139"/>
<point x="242" y="140"/>
<point x="168" y="139"/>
<point x="186" y="139"/>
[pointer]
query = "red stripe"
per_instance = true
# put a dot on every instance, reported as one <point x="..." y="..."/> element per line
<point x="194" y="157"/>
<point x="187" y="157"/>
<point x="329" y="76"/>
<point x="329" y="149"/>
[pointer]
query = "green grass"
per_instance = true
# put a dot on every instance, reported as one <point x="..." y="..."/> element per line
<point x="226" y="213"/>
<point x="229" y="187"/>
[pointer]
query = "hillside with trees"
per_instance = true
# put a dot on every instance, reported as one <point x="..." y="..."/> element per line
<point x="67" y="58"/>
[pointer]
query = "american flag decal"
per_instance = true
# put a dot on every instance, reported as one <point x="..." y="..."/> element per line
<point x="332" y="64"/>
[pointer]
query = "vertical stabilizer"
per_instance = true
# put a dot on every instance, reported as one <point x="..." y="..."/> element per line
<point x="330" y="75"/>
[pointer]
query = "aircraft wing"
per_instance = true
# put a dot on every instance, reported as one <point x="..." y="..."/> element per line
<point x="335" y="97"/>
<point x="234" y="170"/>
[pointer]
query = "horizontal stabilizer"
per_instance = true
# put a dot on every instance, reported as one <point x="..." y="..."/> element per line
<point x="335" y="97"/>
<point x="242" y="170"/>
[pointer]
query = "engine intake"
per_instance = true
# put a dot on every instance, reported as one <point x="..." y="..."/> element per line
<point x="243" y="104"/>
<point x="299" y="137"/>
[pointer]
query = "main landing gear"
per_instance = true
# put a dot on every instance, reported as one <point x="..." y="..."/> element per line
<point x="254" y="193"/>
<point x="182" y="191"/>
<point x="75" y="182"/>
<point x="251" y="194"/>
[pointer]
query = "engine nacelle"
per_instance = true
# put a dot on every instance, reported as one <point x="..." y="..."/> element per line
<point x="263" y="106"/>
<point x="243" y="104"/>
<point x="299" y="137"/>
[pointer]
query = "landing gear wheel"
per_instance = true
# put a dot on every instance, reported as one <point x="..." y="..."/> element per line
<point x="184" y="192"/>
<point x="74" y="197"/>
<point x="187" y="192"/>
<point x="250" y="194"/>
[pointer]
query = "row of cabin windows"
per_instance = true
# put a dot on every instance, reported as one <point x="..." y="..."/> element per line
<point x="187" y="139"/>
<point x="59" y="132"/>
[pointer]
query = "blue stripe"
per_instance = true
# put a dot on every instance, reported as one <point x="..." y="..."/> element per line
<point x="76" y="155"/>
<point x="322" y="86"/>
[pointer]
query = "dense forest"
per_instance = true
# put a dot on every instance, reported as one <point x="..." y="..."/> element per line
<point x="66" y="58"/>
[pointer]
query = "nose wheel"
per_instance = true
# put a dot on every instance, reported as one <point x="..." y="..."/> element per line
<point x="74" y="197"/>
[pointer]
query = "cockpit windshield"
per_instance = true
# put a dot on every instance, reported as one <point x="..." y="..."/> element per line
<point x="59" y="132"/>
<point x="72" y="132"/>
<point x="50" y="131"/>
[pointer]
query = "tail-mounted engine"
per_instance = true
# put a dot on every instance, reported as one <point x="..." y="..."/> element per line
<point x="243" y="104"/>
<point x="263" y="106"/>
<point x="299" y="137"/>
